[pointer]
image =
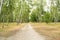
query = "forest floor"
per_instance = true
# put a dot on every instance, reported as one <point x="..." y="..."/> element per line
<point x="50" y="30"/>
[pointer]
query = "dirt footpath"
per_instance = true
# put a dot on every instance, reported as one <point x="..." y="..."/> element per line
<point x="26" y="33"/>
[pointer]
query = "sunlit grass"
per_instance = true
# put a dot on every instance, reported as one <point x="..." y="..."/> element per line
<point x="10" y="28"/>
<point x="50" y="30"/>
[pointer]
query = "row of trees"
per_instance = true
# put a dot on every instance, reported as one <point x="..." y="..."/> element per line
<point x="30" y="10"/>
<point x="51" y="15"/>
<point x="14" y="11"/>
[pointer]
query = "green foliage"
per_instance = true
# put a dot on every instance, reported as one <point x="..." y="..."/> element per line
<point x="47" y="17"/>
<point x="6" y="13"/>
<point x="34" y="17"/>
<point x="18" y="11"/>
<point x="14" y="10"/>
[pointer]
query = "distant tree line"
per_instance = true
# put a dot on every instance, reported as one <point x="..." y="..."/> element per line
<point x="29" y="11"/>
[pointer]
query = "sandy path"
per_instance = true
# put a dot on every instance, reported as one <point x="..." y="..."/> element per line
<point x="26" y="33"/>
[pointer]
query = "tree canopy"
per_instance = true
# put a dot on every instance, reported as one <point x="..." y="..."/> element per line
<point x="29" y="11"/>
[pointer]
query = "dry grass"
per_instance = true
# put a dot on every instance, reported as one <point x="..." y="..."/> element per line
<point x="51" y="30"/>
<point x="10" y="29"/>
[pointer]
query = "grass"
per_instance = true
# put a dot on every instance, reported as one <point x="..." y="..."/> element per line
<point x="10" y="28"/>
<point x="51" y="30"/>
